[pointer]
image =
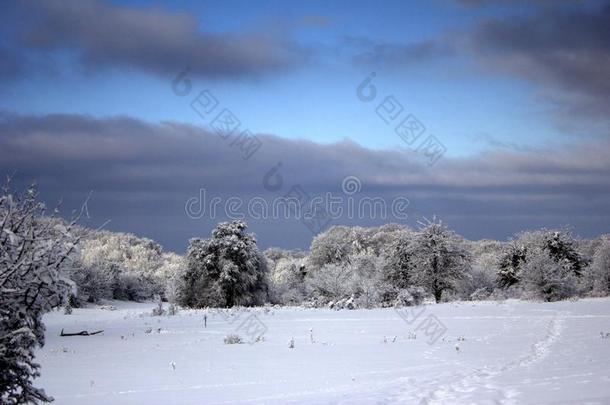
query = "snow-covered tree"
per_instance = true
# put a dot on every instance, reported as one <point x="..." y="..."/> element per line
<point x="274" y="254"/>
<point x="562" y="248"/>
<point x="510" y="264"/>
<point x="600" y="268"/>
<point x="172" y="270"/>
<point x="288" y="280"/>
<point x="34" y="253"/>
<point x="120" y="266"/>
<point x="439" y="259"/>
<point x="225" y="270"/>
<point x="480" y="281"/>
<point x="329" y="283"/>
<point x="339" y="243"/>
<point x="95" y="282"/>
<point x="545" y="263"/>
<point x="365" y="271"/>
<point x="380" y="238"/>
<point x="547" y="279"/>
<point x="398" y="267"/>
<point x="331" y="247"/>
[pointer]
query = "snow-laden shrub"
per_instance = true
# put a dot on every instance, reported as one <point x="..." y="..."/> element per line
<point x="480" y="294"/>
<point x="344" y="303"/>
<point x="410" y="296"/>
<point x="34" y="254"/>
<point x="93" y="283"/>
<point x="172" y="309"/>
<point x="158" y="310"/>
<point x="232" y="339"/>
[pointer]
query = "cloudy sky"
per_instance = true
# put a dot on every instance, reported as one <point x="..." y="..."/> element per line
<point x="492" y="115"/>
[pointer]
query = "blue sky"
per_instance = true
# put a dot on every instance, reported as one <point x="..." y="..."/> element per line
<point x="516" y="91"/>
<point x="316" y="101"/>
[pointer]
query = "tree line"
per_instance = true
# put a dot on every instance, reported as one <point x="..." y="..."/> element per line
<point x="391" y="265"/>
<point x="47" y="262"/>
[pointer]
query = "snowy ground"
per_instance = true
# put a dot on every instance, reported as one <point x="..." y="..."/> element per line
<point x="512" y="352"/>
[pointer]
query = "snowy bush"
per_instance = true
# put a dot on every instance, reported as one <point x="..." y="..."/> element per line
<point x="344" y="303"/>
<point x="410" y="296"/>
<point x="172" y="309"/>
<point x="232" y="339"/>
<point x="35" y="252"/>
<point x="93" y="283"/>
<point x="480" y="294"/>
<point x="225" y="270"/>
<point x="158" y="310"/>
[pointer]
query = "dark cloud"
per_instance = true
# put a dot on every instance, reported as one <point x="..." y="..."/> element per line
<point x="565" y="51"/>
<point x="152" y="39"/>
<point x="142" y="174"/>
<point x="569" y="48"/>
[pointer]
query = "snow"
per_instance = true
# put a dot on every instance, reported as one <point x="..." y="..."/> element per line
<point x="492" y="352"/>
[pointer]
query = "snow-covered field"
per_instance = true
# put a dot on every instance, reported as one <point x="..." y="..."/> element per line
<point x="511" y="352"/>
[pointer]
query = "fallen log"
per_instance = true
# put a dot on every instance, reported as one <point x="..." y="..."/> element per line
<point x="81" y="333"/>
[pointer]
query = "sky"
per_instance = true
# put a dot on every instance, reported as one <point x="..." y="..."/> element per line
<point x="491" y="115"/>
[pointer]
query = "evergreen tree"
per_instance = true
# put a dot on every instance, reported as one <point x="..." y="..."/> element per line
<point x="561" y="248"/>
<point x="225" y="270"/>
<point x="509" y="265"/>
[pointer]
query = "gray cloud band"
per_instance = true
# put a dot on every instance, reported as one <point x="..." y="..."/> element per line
<point x="161" y="41"/>
<point x="143" y="170"/>
<point x="334" y="207"/>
